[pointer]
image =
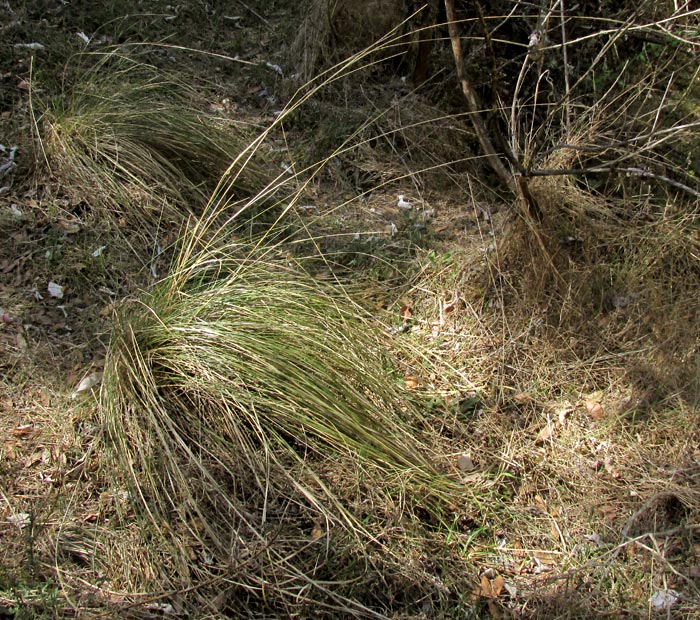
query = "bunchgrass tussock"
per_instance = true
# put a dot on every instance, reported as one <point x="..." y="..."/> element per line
<point x="243" y="404"/>
<point x="134" y="143"/>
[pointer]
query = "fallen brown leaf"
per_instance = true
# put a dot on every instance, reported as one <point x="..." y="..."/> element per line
<point x="495" y="610"/>
<point x="491" y="588"/>
<point x="23" y="431"/>
<point x="595" y="409"/>
<point x="40" y="456"/>
<point x="411" y="382"/>
<point x="541" y="504"/>
<point x="609" y="512"/>
<point x="523" y="398"/>
<point x="549" y="558"/>
<point x="71" y="226"/>
<point x="45" y="398"/>
<point x="563" y="412"/>
<point x="545" y="434"/>
<point x="472" y="478"/>
<point x="9" y="451"/>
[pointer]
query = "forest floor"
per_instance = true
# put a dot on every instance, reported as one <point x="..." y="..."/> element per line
<point x="583" y="452"/>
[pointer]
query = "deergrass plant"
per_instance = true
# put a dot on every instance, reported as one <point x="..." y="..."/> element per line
<point x="134" y="144"/>
<point x="253" y="414"/>
<point x="245" y="402"/>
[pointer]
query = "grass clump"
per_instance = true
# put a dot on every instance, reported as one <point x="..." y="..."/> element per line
<point x="133" y="144"/>
<point x="254" y="419"/>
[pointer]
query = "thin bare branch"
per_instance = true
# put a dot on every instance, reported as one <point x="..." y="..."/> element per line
<point x="637" y="172"/>
<point x="472" y="102"/>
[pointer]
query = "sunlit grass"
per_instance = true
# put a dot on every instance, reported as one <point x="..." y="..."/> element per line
<point x="260" y="454"/>
<point x="252" y="401"/>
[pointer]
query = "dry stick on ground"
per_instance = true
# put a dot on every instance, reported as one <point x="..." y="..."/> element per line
<point x="260" y="17"/>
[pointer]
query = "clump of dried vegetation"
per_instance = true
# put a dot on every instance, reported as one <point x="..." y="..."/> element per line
<point x="136" y="145"/>
<point x="479" y="403"/>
